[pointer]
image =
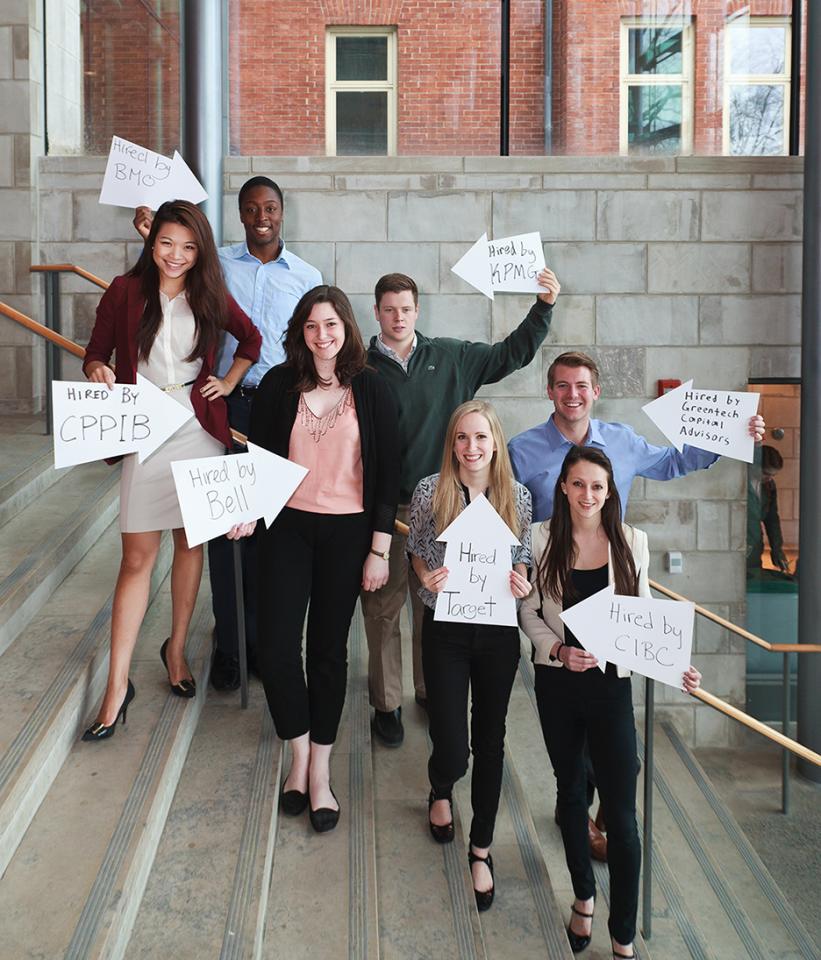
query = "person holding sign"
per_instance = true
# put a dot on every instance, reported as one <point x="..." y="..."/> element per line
<point x="582" y="548"/>
<point x="267" y="280"/>
<point x="164" y="320"/>
<point x="573" y="387"/>
<point x="325" y="409"/>
<point x="458" y="658"/>
<point x="429" y="377"/>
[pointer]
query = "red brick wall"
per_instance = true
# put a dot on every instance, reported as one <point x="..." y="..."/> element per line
<point x="448" y="72"/>
<point x="132" y="79"/>
<point x="586" y="68"/>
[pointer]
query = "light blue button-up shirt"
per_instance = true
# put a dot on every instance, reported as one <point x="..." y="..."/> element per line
<point x="268" y="293"/>
<point x="537" y="456"/>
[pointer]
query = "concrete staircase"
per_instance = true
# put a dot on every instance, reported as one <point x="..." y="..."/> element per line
<point x="167" y="840"/>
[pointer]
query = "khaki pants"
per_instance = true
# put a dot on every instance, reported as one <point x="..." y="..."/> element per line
<point x="381" y="611"/>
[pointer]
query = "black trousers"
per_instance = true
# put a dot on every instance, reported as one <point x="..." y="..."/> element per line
<point x="573" y="706"/>
<point x="317" y="557"/>
<point x="221" y="563"/>
<point x="457" y="657"/>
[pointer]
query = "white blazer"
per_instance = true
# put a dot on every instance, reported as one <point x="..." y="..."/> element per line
<point x="544" y="631"/>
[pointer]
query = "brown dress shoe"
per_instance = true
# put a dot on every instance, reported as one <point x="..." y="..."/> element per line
<point x="598" y="842"/>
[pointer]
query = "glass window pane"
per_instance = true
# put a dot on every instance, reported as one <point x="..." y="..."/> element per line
<point x="361" y="58"/>
<point x="756" y="119"/>
<point x="361" y="123"/>
<point x="757" y="49"/>
<point x="656" y="50"/>
<point x="654" y="119"/>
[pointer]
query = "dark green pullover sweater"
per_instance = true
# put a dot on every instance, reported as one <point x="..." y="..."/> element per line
<point x="443" y="373"/>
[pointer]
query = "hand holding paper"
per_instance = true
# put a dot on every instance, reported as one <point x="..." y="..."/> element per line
<point x="136" y="176"/>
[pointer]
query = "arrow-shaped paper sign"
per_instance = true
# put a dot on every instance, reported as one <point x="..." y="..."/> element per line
<point x="478" y="558"/>
<point x="509" y="265"/>
<point x="714" y="420"/>
<point x="92" y="422"/>
<point x="652" y="637"/>
<point x="217" y="492"/>
<point x="136" y="176"/>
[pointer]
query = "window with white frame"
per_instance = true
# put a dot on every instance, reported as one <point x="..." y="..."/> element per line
<point x="360" y="91"/>
<point x="757" y="86"/>
<point x="656" y="89"/>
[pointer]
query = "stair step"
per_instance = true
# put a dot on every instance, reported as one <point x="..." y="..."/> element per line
<point x="94" y="836"/>
<point x="736" y="873"/>
<point x="28" y="471"/>
<point x="323" y="895"/>
<point x="211" y="866"/>
<point x="51" y="679"/>
<point x="43" y="543"/>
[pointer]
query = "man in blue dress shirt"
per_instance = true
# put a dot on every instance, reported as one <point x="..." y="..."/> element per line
<point x="573" y="386"/>
<point x="267" y="281"/>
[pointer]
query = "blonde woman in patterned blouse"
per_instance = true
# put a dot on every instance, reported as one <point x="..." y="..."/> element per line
<point x="326" y="410"/>
<point x="458" y="658"/>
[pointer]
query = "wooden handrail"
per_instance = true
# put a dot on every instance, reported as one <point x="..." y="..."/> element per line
<point x="740" y="631"/>
<point x="69" y="345"/>
<point x="757" y="726"/>
<point x="42" y="330"/>
<point x="67" y="268"/>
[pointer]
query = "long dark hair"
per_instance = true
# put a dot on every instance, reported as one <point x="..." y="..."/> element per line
<point x="553" y="569"/>
<point x="352" y="356"/>
<point x="204" y="285"/>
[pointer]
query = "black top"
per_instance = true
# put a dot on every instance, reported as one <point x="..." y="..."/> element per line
<point x="585" y="583"/>
<point x="273" y="414"/>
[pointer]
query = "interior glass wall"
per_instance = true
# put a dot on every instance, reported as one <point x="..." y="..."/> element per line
<point x="638" y="77"/>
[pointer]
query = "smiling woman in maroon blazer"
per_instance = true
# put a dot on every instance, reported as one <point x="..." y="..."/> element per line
<point x="164" y="320"/>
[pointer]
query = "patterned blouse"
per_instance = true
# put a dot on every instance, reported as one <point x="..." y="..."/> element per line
<point x="422" y="540"/>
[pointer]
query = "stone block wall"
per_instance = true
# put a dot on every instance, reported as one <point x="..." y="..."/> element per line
<point x="21" y="144"/>
<point x="685" y="267"/>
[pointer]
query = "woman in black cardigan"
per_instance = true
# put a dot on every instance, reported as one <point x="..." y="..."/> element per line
<point x="326" y="410"/>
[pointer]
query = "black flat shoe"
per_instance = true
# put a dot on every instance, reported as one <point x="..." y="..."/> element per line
<point x="625" y="956"/>
<point x="484" y="898"/>
<point x="293" y="802"/>
<point x="99" y="731"/>
<point x="184" y="688"/>
<point x="578" y="942"/>
<point x="324" y="818"/>
<point x="441" y="834"/>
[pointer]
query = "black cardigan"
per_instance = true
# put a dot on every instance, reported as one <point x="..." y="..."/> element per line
<point x="273" y="414"/>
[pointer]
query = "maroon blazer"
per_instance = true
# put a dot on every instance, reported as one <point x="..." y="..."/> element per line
<point x="115" y="330"/>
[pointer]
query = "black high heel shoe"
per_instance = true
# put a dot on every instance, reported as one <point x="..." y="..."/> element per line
<point x="324" y="818"/>
<point x="484" y="898"/>
<point x="184" y="688"/>
<point x="99" y="731"/>
<point x="444" y="833"/>
<point x="579" y="942"/>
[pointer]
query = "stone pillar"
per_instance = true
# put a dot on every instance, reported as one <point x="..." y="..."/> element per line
<point x="21" y="144"/>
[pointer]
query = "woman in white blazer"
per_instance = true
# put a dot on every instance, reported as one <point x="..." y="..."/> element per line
<point x="579" y="551"/>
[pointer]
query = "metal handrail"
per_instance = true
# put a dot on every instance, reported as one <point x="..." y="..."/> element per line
<point x="68" y="268"/>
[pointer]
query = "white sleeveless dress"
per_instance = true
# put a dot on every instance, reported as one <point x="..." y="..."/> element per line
<point x="148" y="497"/>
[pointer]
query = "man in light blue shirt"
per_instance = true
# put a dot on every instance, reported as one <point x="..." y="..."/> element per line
<point x="573" y="386"/>
<point x="267" y="281"/>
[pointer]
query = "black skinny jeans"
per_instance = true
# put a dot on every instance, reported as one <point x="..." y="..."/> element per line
<point x="457" y="657"/>
<point x="573" y="706"/>
<point x="304" y="556"/>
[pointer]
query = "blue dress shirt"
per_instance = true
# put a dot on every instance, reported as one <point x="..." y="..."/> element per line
<point x="268" y="293"/>
<point x="537" y="456"/>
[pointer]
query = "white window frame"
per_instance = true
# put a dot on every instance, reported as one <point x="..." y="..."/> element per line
<point x="757" y="79"/>
<point x="683" y="79"/>
<point x="333" y="86"/>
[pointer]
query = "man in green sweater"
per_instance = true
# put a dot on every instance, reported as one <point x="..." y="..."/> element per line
<point x="430" y="377"/>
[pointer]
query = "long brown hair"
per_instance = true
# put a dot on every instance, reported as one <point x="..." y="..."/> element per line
<point x="553" y="569"/>
<point x="352" y="356"/>
<point x="204" y="284"/>
<point x="447" y="501"/>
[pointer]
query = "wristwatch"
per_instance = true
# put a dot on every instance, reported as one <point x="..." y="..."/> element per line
<point x="377" y="553"/>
